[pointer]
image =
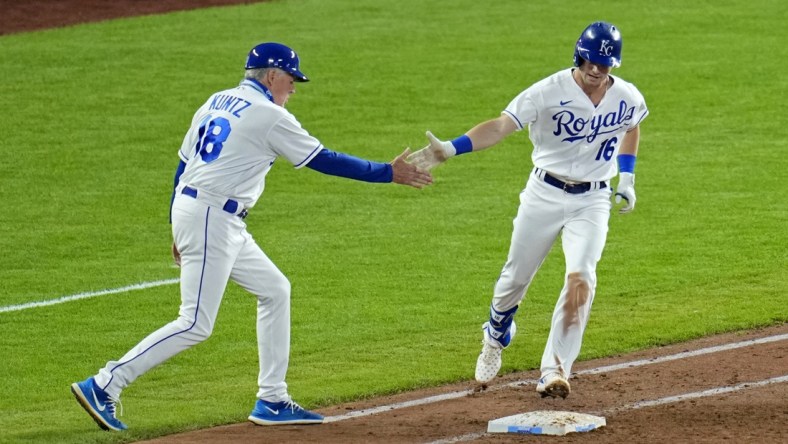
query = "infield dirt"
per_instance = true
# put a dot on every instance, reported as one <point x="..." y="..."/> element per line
<point x="749" y="415"/>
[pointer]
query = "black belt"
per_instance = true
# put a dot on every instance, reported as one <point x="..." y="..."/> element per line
<point x="571" y="188"/>
<point x="231" y="206"/>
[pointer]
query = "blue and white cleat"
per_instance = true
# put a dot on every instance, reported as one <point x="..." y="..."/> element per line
<point x="98" y="404"/>
<point x="284" y="412"/>
<point x="489" y="361"/>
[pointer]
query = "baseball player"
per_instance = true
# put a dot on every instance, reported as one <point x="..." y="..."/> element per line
<point x="584" y="124"/>
<point x="234" y="140"/>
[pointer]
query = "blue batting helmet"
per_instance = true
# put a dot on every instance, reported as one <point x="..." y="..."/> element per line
<point x="275" y="55"/>
<point x="599" y="43"/>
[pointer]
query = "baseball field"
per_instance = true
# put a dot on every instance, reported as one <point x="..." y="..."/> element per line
<point x="390" y="285"/>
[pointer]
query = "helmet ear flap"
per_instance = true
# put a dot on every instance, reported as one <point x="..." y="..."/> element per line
<point x="578" y="59"/>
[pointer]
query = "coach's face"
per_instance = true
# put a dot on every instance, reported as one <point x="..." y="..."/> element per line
<point x="281" y="85"/>
<point x="593" y="75"/>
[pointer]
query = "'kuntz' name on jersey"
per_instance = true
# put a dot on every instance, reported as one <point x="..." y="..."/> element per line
<point x="231" y="104"/>
<point x="600" y="124"/>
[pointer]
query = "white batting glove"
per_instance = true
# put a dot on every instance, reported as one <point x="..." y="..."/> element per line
<point x="626" y="190"/>
<point x="432" y="155"/>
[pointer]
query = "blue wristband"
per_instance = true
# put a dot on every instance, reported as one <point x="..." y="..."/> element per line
<point x="462" y="144"/>
<point x="626" y="163"/>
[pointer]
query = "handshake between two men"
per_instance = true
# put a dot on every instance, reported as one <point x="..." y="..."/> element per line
<point x="413" y="168"/>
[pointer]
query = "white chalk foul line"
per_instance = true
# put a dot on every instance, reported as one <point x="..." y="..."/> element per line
<point x="607" y="368"/>
<point x="86" y="295"/>
<point x="710" y="392"/>
<point x="400" y="405"/>
<point x="699" y="352"/>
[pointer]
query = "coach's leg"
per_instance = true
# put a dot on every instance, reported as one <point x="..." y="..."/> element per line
<point x="208" y="244"/>
<point x="256" y="273"/>
<point x="583" y="240"/>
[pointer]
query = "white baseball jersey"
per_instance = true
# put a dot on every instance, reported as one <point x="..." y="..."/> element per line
<point x="234" y="139"/>
<point x="573" y="138"/>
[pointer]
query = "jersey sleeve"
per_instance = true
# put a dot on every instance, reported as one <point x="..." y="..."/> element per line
<point x="522" y="109"/>
<point x="641" y="110"/>
<point x="289" y="140"/>
<point x="186" y="145"/>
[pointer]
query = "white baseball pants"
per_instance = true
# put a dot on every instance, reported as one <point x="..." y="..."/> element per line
<point x="214" y="247"/>
<point x="582" y="220"/>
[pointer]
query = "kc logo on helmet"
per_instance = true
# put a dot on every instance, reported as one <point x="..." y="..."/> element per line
<point x="605" y="47"/>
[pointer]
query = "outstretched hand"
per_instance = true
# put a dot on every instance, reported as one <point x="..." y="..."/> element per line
<point x="405" y="173"/>
<point x="431" y="155"/>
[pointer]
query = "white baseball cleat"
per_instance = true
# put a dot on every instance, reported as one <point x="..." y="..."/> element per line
<point x="489" y="361"/>
<point x="554" y="385"/>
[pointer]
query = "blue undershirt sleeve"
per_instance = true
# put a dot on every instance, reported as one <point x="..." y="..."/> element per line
<point x="345" y="165"/>
<point x="178" y="172"/>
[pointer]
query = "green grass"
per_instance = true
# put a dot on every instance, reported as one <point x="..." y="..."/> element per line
<point x="390" y="285"/>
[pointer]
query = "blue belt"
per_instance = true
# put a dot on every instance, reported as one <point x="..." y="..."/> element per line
<point x="230" y="206"/>
<point x="571" y="188"/>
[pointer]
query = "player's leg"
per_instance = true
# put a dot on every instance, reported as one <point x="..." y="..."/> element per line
<point x="256" y="273"/>
<point x="536" y="227"/>
<point x="208" y="242"/>
<point x="583" y="240"/>
<point x="537" y="224"/>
